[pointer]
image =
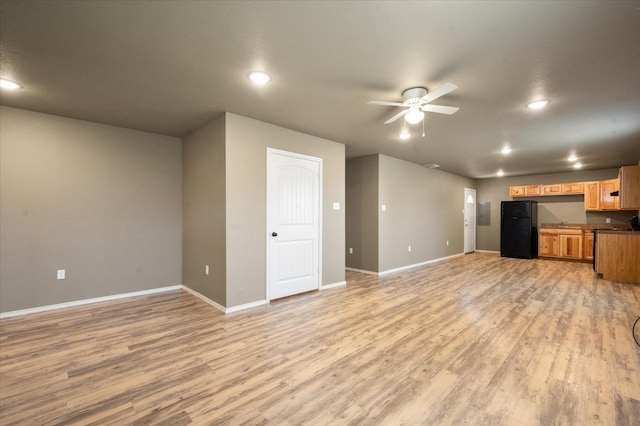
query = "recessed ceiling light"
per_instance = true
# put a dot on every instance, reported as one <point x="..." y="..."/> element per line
<point x="404" y="134"/>
<point x="536" y="105"/>
<point x="259" y="78"/>
<point x="9" y="85"/>
<point x="500" y="173"/>
<point x="506" y="150"/>
<point x="572" y="158"/>
<point x="577" y="165"/>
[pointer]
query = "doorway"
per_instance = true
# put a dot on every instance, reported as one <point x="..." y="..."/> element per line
<point x="294" y="225"/>
<point x="469" y="220"/>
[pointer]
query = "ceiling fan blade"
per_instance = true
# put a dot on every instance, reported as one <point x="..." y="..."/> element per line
<point x="384" y="103"/>
<point x="440" y="91"/>
<point x="440" y="109"/>
<point x="395" y="117"/>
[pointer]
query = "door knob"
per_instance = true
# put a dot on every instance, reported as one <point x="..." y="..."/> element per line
<point x="274" y="234"/>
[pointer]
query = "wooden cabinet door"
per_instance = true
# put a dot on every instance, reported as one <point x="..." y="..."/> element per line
<point x="608" y="201"/>
<point x="571" y="246"/>
<point x="588" y="245"/>
<point x="552" y="189"/>
<point x="573" y="188"/>
<point x="592" y="195"/>
<point x="532" y="190"/>
<point x="630" y="187"/>
<point x="548" y="245"/>
<point x="516" y="191"/>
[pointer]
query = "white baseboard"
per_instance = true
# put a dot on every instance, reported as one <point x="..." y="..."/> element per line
<point x="417" y="265"/>
<point x="86" y="301"/>
<point x="245" y="306"/>
<point x="222" y="308"/>
<point x="362" y="271"/>
<point x="205" y="298"/>
<point x="333" y="285"/>
<point x="488" y="251"/>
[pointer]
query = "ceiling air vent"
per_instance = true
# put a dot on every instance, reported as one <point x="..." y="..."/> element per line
<point x="432" y="165"/>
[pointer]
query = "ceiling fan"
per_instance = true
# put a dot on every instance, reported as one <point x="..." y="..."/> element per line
<point x="417" y="101"/>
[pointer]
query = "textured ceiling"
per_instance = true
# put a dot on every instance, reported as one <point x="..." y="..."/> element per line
<point x="169" y="67"/>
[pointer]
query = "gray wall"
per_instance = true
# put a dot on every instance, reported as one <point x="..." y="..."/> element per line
<point x="424" y="209"/>
<point x="362" y="212"/>
<point x="203" y="211"/>
<point x="567" y="208"/>
<point x="246" y="167"/>
<point x="100" y="201"/>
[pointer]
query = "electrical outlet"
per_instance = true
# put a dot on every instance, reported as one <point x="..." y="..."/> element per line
<point x="350" y="250"/>
<point x="61" y="274"/>
<point x="608" y="220"/>
<point x="409" y="248"/>
<point x="384" y="207"/>
<point x="447" y="242"/>
<point x="206" y="269"/>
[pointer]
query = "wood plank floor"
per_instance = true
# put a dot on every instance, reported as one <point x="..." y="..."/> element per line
<point x="475" y="340"/>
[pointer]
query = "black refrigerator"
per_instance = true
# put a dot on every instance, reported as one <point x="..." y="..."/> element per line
<point x="519" y="229"/>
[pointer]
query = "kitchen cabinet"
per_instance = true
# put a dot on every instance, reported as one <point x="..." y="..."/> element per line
<point x="571" y="246"/>
<point x="630" y="187"/>
<point x="561" y="243"/>
<point x="573" y="188"/>
<point x="608" y="201"/>
<point x="516" y="191"/>
<point x="587" y="251"/>
<point x="532" y="190"/>
<point x="592" y="196"/>
<point x="548" y="245"/>
<point x="555" y="189"/>
<point x="618" y="256"/>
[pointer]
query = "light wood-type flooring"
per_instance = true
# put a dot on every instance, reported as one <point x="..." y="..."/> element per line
<point x="474" y="340"/>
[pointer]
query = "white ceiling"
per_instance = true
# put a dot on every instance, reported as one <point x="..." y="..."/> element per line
<point x="169" y="67"/>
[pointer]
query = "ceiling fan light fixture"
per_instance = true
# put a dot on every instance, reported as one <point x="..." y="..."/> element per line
<point x="9" y="85"/>
<point x="536" y="105"/>
<point x="500" y="173"/>
<point x="404" y="134"/>
<point x="259" y="78"/>
<point x="414" y="116"/>
<point x="577" y="165"/>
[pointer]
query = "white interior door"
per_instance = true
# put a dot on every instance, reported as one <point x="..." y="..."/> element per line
<point x="469" y="220"/>
<point x="293" y="223"/>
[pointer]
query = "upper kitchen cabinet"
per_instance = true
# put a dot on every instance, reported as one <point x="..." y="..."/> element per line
<point x="609" y="199"/>
<point x="592" y="196"/>
<point x="629" y="188"/>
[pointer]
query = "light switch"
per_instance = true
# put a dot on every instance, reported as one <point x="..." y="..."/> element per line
<point x="61" y="274"/>
<point x="336" y="206"/>
<point x="384" y="207"/>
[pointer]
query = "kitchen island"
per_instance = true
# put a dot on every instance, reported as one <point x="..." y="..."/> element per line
<point x="618" y="255"/>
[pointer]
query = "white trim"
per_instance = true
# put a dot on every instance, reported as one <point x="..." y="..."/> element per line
<point x="222" y="308"/>
<point x="333" y="285"/>
<point x="487" y="251"/>
<point x="21" y="312"/>
<point x="205" y="298"/>
<point x="416" y="265"/>
<point x="245" y="306"/>
<point x="362" y="271"/>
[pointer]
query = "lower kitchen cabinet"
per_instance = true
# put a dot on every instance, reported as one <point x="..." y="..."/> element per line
<point x="571" y="246"/>
<point x="562" y="243"/>
<point x="588" y="245"/>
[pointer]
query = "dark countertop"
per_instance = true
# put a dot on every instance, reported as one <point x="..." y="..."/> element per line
<point x="618" y="231"/>
<point x="610" y="227"/>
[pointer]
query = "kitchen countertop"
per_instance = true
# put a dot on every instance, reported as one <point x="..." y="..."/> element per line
<point x="618" y="231"/>
<point x="608" y="227"/>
